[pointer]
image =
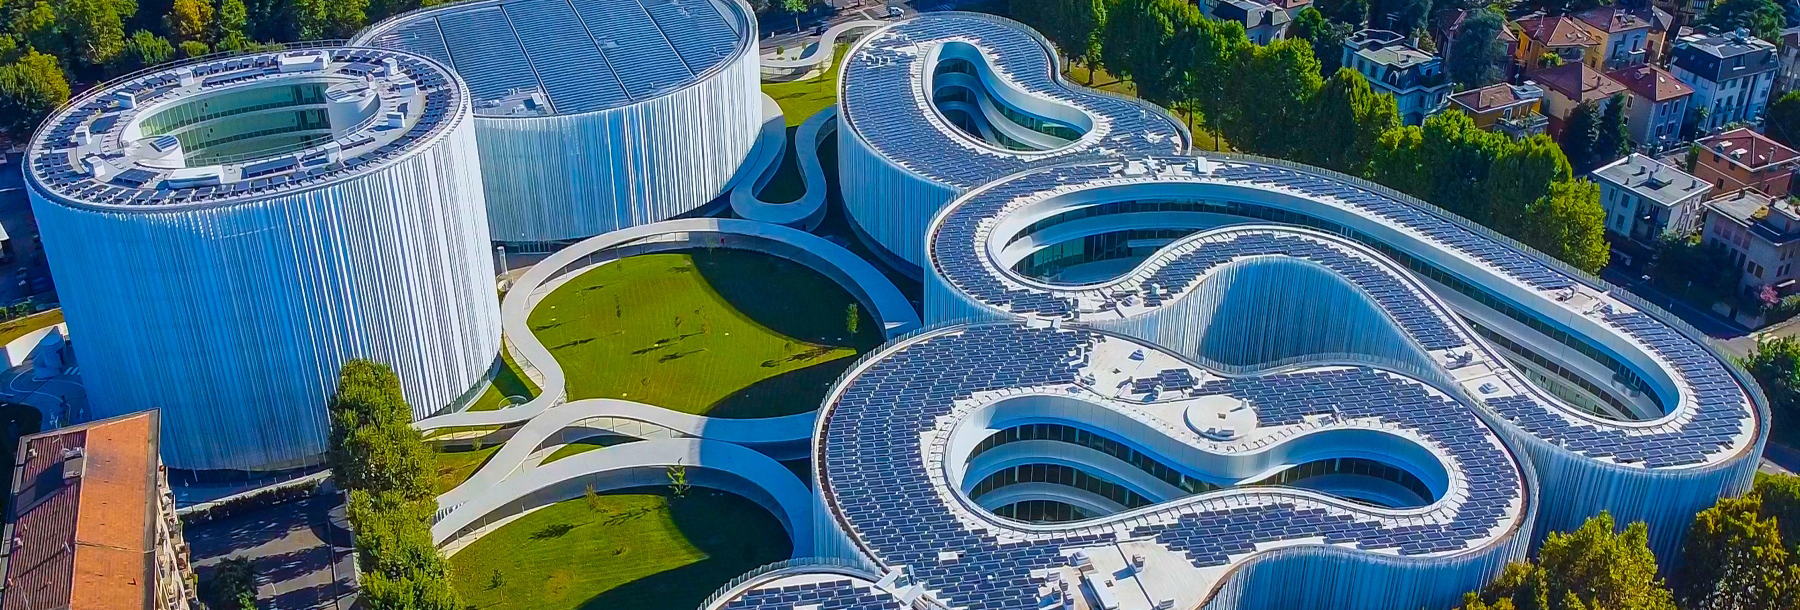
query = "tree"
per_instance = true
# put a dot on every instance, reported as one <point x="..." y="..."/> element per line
<point x="373" y="444"/>
<point x="29" y="89"/>
<point x="232" y="585"/>
<point x="1351" y="12"/>
<point x="797" y="8"/>
<point x="1694" y="271"/>
<point x="1595" y="567"/>
<point x="1775" y="363"/>
<point x="230" y="25"/>
<point x="1733" y="559"/>
<point x="1273" y="91"/>
<point x="1403" y="16"/>
<point x="1073" y="25"/>
<point x="1614" y="138"/>
<point x="1207" y="53"/>
<point x="330" y="18"/>
<point x="1136" y="44"/>
<point x="1476" y="54"/>
<point x="145" y="49"/>
<point x="1569" y="224"/>
<point x="190" y="20"/>
<point x="95" y="29"/>
<point x="1349" y="122"/>
<point x="1783" y="119"/>
<point x="1764" y="18"/>
<point x="194" y="48"/>
<point x="1579" y="136"/>
<point x="1325" y="36"/>
<point x="678" y="479"/>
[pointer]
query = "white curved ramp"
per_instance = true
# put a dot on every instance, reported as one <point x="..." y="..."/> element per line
<point x="547" y="427"/>
<point x="820" y="52"/>
<point x="712" y="464"/>
<point x="807" y="211"/>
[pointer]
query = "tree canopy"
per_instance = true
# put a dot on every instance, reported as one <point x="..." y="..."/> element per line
<point x="1775" y="363"/>
<point x="1476" y="54"/>
<point x="1326" y="37"/>
<point x="1764" y="18"/>
<point x="30" y="88"/>
<point x="1593" y="568"/>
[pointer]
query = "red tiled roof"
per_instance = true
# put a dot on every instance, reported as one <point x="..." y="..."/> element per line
<point x="1487" y="98"/>
<point x="1651" y="82"/>
<point x="85" y="542"/>
<point x="1613" y="20"/>
<point x="1759" y="150"/>
<point x="1578" y="82"/>
<point x="1560" y="31"/>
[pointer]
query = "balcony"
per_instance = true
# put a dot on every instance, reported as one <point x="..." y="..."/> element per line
<point x="1524" y="126"/>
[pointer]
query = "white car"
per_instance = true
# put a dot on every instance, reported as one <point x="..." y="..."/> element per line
<point x="894" y="11"/>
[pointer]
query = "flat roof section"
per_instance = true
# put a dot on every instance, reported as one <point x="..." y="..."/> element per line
<point x="576" y="56"/>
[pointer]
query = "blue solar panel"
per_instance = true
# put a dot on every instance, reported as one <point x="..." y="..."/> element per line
<point x="630" y="39"/>
<point x="492" y="65"/>
<point x="574" y="73"/>
<point x="701" y="35"/>
<point x="421" y="37"/>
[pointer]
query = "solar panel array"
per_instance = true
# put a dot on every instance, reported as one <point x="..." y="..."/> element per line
<point x="841" y="594"/>
<point x="1721" y="410"/>
<point x="877" y="102"/>
<point x="585" y="55"/>
<point x="876" y="473"/>
<point x="53" y="159"/>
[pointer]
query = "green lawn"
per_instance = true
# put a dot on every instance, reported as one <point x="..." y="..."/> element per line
<point x="725" y="333"/>
<point x="636" y="549"/>
<point x="510" y="381"/>
<point x="800" y="99"/>
<point x="456" y="465"/>
<point x="587" y="444"/>
<point x="1204" y="139"/>
<point x="14" y="329"/>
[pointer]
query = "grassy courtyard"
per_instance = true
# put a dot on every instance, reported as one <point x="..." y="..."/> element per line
<point x="585" y="445"/>
<point x="637" y="549"/>
<point x="800" y="99"/>
<point x="719" y="332"/>
<point x="456" y="465"/>
<point x="510" y="381"/>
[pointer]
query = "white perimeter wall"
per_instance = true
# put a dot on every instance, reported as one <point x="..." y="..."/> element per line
<point x="573" y="176"/>
<point x="235" y="319"/>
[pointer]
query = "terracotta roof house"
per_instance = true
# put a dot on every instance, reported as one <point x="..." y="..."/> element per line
<point x="1626" y="33"/>
<point x="1510" y="109"/>
<point x="1569" y="38"/>
<point x="1659" y="103"/>
<point x="92" y="524"/>
<point x="1569" y="85"/>
<point x="1742" y="158"/>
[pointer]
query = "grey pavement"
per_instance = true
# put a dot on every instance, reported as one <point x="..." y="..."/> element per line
<point x="62" y="399"/>
<point x="300" y="550"/>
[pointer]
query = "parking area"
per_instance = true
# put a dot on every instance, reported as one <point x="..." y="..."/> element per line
<point x="23" y="270"/>
<point x="301" y="552"/>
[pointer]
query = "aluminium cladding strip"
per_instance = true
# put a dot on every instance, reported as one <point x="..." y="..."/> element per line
<point x="901" y="160"/>
<point x="1661" y="471"/>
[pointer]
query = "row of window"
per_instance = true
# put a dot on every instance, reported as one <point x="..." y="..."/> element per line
<point x="235" y="103"/>
<point x="1565" y="374"/>
<point x="1059" y="475"/>
<point x="1041" y="511"/>
<point x="1125" y="453"/>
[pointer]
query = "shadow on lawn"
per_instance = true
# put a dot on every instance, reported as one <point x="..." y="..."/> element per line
<point x="786" y="297"/>
<point x="737" y="535"/>
<point x="795" y="391"/>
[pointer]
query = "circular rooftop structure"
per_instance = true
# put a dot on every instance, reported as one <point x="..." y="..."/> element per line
<point x="242" y="129"/>
<point x="226" y="234"/>
<point x="596" y="115"/>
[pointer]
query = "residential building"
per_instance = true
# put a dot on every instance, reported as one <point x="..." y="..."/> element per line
<point x="1658" y="105"/>
<point x="1761" y="233"/>
<point x="1731" y="73"/>
<point x="1508" y="39"/>
<point x="1625" y="33"/>
<point x="1415" y="78"/>
<point x="1683" y="13"/>
<point x="1570" y="85"/>
<point x="1645" y="199"/>
<point x="1742" y="158"/>
<point x="1263" y="22"/>
<point x="1661" y="24"/>
<point x="1787" y="73"/>
<point x="1514" y="110"/>
<point x="93" y="524"/>
<point x="1570" y="39"/>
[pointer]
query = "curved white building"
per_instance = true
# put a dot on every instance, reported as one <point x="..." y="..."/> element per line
<point x="596" y="115"/>
<point x="939" y="104"/>
<point x="224" y="235"/>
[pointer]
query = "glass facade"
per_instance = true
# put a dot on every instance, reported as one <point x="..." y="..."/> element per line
<point x="971" y="124"/>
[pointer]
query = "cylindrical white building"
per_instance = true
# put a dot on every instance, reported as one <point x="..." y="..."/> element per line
<point x="224" y="235"/>
<point x="934" y="106"/>
<point x="596" y="115"/>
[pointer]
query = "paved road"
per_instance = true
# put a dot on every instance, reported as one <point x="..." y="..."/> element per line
<point x="301" y="551"/>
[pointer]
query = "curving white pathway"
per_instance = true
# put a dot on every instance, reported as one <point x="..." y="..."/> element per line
<point x="807" y="211"/>
<point x="818" y="53"/>
<point x="514" y="481"/>
<point x="712" y="464"/>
